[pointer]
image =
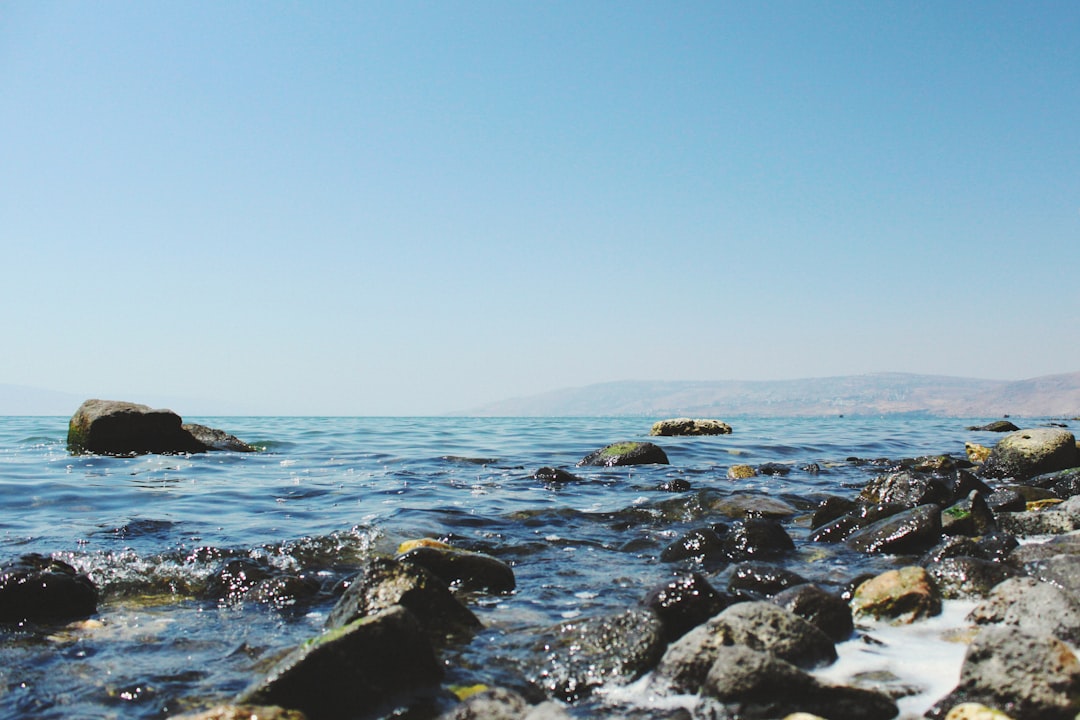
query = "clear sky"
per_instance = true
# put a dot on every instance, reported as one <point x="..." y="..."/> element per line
<point x="369" y="208"/>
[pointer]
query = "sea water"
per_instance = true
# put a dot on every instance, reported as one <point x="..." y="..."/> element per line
<point x="322" y="494"/>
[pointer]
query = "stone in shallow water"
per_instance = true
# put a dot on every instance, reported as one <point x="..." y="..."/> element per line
<point x="688" y="426"/>
<point x="626" y="453"/>
<point x="902" y="596"/>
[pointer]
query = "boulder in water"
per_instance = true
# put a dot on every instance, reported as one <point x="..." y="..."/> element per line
<point x="688" y="426"/>
<point x="627" y="453"/>
<point x="40" y="589"/>
<point x="111" y="427"/>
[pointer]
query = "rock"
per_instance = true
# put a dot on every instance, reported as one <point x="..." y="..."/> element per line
<point x="556" y="476"/>
<point x="1033" y="606"/>
<point x="825" y="610"/>
<point x="489" y="704"/>
<point x="905" y="488"/>
<point x="1063" y="484"/>
<point x="756" y="684"/>
<point x="243" y="712"/>
<point x="626" y="453"/>
<point x="963" y="577"/>
<point x="39" y="589"/>
<point x="741" y="472"/>
<point x="1060" y="570"/>
<point x="386" y="582"/>
<point x="581" y="655"/>
<point x="761" y="579"/>
<point x="830" y="509"/>
<point x="469" y="571"/>
<point x="686" y="426"/>
<point x="349" y="671"/>
<point x="996" y="426"/>
<point x="901" y="596"/>
<point x="755" y="538"/>
<point x="1027" y="453"/>
<point x="684" y="602"/>
<point x="976" y="453"/>
<point x="744" y="504"/>
<point x="758" y="625"/>
<point x="971" y="516"/>
<point x="848" y="523"/>
<point x="775" y="469"/>
<point x="1068" y="544"/>
<point x="911" y="531"/>
<point x="1005" y="499"/>
<point x="1055" y="519"/>
<point x="111" y="427"/>
<point x="700" y="543"/>
<point x="1029" y="677"/>
<point x="975" y="711"/>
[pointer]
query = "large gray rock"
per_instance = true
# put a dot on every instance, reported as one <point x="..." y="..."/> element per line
<point x="352" y="670"/>
<point x="757" y="625"/>
<point x="1027" y="453"/>
<point x="1029" y="677"/>
<point x="687" y="426"/>
<point x="1032" y="606"/>
<point x="756" y="684"/>
<point x="1053" y="520"/>
<point x="111" y="427"/>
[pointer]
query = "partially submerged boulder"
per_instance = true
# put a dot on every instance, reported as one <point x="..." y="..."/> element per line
<point x="470" y="571"/>
<point x="688" y="426"/>
<point x="39" y="588"/>
<point x="111" y="427"/>
<point x="626" y="453"/>
<point x="1027" y="453"/>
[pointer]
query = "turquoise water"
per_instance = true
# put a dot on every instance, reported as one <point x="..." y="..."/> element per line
<point x="154" y="532"/>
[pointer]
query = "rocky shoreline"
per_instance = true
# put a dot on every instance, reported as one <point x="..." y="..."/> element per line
<point x="995" y="526"/>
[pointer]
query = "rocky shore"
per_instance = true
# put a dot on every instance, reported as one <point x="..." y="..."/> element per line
<point x="994" y="525"/>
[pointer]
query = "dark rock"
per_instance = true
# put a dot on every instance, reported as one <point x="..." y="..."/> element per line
<point x="1006" y="499"/>
<point x="771" y="468"/>
<point x="758" y="625"/>
<point x="1063" y="484"/>
<point x="700" y="543"/>
<point x="746" y="504"/>
<point x="761" y="579"/>
<point x="675" y="485"/>
<point x="626" y="453"/>
<point x="962" y="577"/>
<point x="912" y="531"/>
<point x="996" y="426"/>
<point x="1033" y="606"/>
<point x="556" y="476"/>
<point x="830" y="509"/>
<point x="755" y="538"/>
<point x="385" y="582"/>
<point x="829" y="612"/>
<point x="862" y="516"/>
<point x="581" y="655"/>
<point x="39" y="589"/>
<point x="1029" y="677"/>
<point x="1027" y="453"/>
<point x="469" y="571"/>
<point x="756" y="684"/>
<point x="352" y="670"/>
<point x="971" y="516"/>
<point x="236" y="577"/>
<point x="684" y="602"/>
<point x="1060" y="518"/>
<point x="906" y="488"/>
<point x="111" y="427"/>
<point x="687" y="426"/>
<point x="285" y="591"/>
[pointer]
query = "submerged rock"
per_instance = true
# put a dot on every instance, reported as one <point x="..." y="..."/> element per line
<point x="38" y="588"/>
<point x="352" y="670"/>
<point x="112" y="427"/>
<point x="626" y="453"/>
<point x="470" y="571"/>
<point x="687" y="426"/>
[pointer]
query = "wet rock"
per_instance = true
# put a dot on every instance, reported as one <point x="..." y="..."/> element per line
<point x="556" y="476"/>
<point x="741" y="472"/>
<point x="285" y="591"/>
<point x="847" y="524"/>
<point x="741" y="505"/>
<point x="675" y="485"/>
<point x="906" y="488"/>
<point x="827" y="611"/>
<point x="235" y="578"/>
<point x="911" y="531"/>
<point x="503" y="704"/>
<point x="684" y="602"/>
<point x="1005" y="499"/>
<point x="976" y="453"/>
<point x="353" y="669"/>
<point x="758" y="625"/>
<point x="243" y="712"/>
<point x="963" y="577"/>
<point x="385" y="582"/>
<point x="971" y="516"/>
<point x="830" y="509"/>
<point x="581" y="655"/>
<point x="626" y="453"/>
<point x="40" y="589"/>
<point x="111" y="427"/>
<point x="1027" y="453"/>
<point x="1068" y="544"/>
<point x="1033" y="606"/>
<point x="756" y="538"/>
<point x="996" y="426"/>
<point x="756" y="684"/>
<point x="1029" y="677"/>
<point x="1053" y="520"/>
<point x="469" y="571"/>
<point x="1063" y="484"/>
<point x="900" y="596"/>
<point x="761" y="579"/>
<point x="701" y="543"/>
<point x="688" y="426"/>
<point x="774" y="469"/>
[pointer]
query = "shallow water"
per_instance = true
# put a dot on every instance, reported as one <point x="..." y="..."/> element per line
<point x="323" y="493"/>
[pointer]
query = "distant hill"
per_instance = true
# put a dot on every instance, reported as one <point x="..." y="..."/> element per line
<point x="874" y="394"/>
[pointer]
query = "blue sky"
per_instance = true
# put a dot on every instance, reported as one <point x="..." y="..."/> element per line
<point x="370" y="208"/>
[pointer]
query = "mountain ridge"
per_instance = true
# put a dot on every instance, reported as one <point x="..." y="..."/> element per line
<point x="885" y="393"/>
